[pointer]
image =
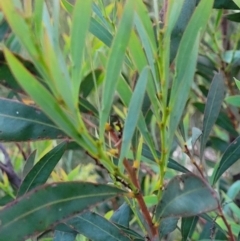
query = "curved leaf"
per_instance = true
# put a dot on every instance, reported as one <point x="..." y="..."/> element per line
<point x="115" y="61"/>
<point x="186" y="60"/>
<point x="233" y="100"/>
<point x="223" y="120"/>
<point x="167" y="226"/>
<point x="186" y="195"/>
<point x="29" y="123"/>
<point x="48" y="205"/>
<point x="122" y="215"/>
<point x="172" y="164"/>
<point x="80" y="24"/>
<point x="64" y="236"/>
<point x="42" y="170"/>
<point x="97" y="228"/>
<point x="186" y="13"/>
<point x="212" y="108"/>
<point x="134" y="111"/>
<point x="188" y="226"/>
<point x="196" y="133"/>
<point x="29" y="163"/>
<point x="230" y="156"/>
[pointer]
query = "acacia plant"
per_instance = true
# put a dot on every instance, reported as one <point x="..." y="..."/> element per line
<point x="117" y="82"/>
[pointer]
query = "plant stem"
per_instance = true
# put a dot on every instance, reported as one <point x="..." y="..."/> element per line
<point x="230" y="234"/>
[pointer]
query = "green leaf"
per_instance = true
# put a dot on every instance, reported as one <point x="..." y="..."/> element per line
<point x="42" y="170"/>
<point x="125" y="94"/>
<point x="46" y="101"/>
<point x="233" y="100"/>
<point x="225" y="4"/>
<point x="80" y="25"/>
<point x="87" y="84"/>
<point x="100" y="32"/>
<point x="115" y="60"/>
<point x="185" y="196"/>
<point x="188" y="226"/>
<point x="167" y="226"/>
<point x="19" y="26"/>
<point x="122" y="215"/>
<point x="48" y="205"/>
<point x="212" y="108"/>
<point x="146" y="44"/>
<point x="223" y="120"/>
<point x="218" y="144"/>
<point x="196" y="133"/>
<point x="231" y="56"/>
<point x="230" y="156"/>
<point x="63" y="236"/>
<point x="172" y="164"/>
<point x="134" y="235"/>
<point x="235" y="17"/>
<point x="7" y="79"/>
<point x="186" y="62"/>
<point x="29" y="163"/>
<point x="134" y="110"/>
<point x="29" y="122"/>
<point x="237" y="83"/>
<point x="182" y="21"/>
<point x="97" y="228"/>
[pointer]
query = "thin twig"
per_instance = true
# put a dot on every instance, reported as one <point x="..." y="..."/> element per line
<point x="8" y="169"/>
<point x="192" y="160"/>
<point x="138" y="195"/>
<point x="230" y="234"/>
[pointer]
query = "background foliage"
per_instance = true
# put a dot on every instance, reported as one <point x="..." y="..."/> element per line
<point x="119" y="120"/>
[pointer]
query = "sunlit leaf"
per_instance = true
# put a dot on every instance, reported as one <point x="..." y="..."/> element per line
<point x="115" y="61"/>
<point x="80" y="24"/>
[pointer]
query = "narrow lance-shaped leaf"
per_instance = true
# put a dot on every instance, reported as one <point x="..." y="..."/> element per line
<point x="233" y="100"/>
<point x="122" y="215"/>
<point x="133" y="113"/>
<point x="196" y="133"/>
<point x="185" y="196"/>
<point x="42" y="170"/>
<point x="45" y="100"/>
<point x="212" y="108"/>
<point x="81" y="20"/>
<point x="64" y="236"/>
<point x="167" y="226"/>
<point x="186" y="63"/>
<point x="125" y="94"/>
<point x="184" y="10"/>
<point x="48" y="205"/>
<point x="230" y="156"/>
<point x="29" y="122"/>
<point x="19" y="26"/>
<point x="97" y="228"/>
<point x="29" y="163"/>
<point x="188" y="226"/>
<point x="115" y="61"/>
